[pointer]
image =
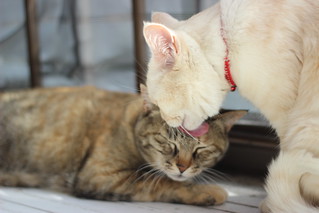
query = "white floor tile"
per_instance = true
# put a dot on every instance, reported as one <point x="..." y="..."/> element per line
<point x="16" y="200"/>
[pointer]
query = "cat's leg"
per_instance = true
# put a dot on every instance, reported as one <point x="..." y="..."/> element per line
<point x="127" y="186"/>
<point x="186" y="193"/>
<point x="309" y="188"/>
<point x="292" y="183"/>
<point x="20" y="179"/>
<point x="264" y="206"/>
<point x="302" y="130"/>
<point x="302" y="138"/>
<point x="36" y="180"/>
<point x="286" y="173"/>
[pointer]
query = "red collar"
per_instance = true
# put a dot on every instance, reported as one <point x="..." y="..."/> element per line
<point x="228" y="75"/>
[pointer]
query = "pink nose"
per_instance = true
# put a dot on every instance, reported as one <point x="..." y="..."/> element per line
<point x="181" y="167"/>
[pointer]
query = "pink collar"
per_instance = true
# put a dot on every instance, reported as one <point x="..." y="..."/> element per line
<point x="228" y="75"/>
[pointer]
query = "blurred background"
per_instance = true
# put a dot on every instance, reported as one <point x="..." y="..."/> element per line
<point x="99" y="42"/>
<point x="83" y="41"/>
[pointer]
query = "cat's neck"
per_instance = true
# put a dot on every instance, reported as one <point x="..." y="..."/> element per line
<point x="209" y="36"/>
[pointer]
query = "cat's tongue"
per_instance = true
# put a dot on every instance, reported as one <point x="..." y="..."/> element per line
<point x="201" y="130"/>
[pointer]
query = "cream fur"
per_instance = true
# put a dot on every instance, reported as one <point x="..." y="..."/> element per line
<point x="283" y="183"/>
<point x="274" y="52"/>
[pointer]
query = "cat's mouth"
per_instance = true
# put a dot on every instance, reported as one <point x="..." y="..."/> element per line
<point x="179" y="177"/>
<point x="201" y="130"/>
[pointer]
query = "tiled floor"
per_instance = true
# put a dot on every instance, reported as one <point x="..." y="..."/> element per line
<point x="243" y="199"/>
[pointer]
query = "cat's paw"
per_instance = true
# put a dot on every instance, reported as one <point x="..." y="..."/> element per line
<point x="264" y="207"/>
<point x="308" y="186"/>
<point x="207" y="195"/>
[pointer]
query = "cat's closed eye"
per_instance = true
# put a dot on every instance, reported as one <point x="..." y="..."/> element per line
<point x="206" y="155"/>
<point x="196" y="152"/>
<point x="166" y="147"/>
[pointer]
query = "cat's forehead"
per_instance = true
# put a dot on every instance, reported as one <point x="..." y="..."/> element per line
<point x="215" y="134"/>
<point x="168" y="84"/>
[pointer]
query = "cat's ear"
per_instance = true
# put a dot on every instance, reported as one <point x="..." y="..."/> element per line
<point x="165" y="19"/>
<point x="162" y="42"/>
<point x="230" y="118"/>
<point x="147" y="105"/>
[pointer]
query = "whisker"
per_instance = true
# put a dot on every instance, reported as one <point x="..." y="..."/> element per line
<point x="135" y="176"/>
<point x="159" y="175"/>
<point x="132" y="177"/>
<point x="210" y="179"/>
<point x="197" y="179"/>
<point x="217" y="174"/>
<point x="144" y="166"/>
<point x="179" y="132"/>
<point x="213" y="176"/>
<point x="143" y="175"/>
<point x="201" y="180"/>
<point x="174" y="132"/>
<point x="220" y="173"/>
<point x="189" y="133"/>
<point x="207" y="179"/>
<point x="150" y="174"/>
<point x="223" y="175"/>
<point x="139" y="169"/>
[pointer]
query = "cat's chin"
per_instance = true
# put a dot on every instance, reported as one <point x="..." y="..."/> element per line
<point x="180" y="177"/>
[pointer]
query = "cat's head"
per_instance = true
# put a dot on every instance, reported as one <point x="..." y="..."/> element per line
<point x="181" y="80"/>
<point x="178" y="155"/>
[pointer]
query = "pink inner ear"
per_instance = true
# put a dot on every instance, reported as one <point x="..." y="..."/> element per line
<point x="162" y="43"/>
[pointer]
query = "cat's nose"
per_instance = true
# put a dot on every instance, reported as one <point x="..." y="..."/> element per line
<point x="181" y="167"/>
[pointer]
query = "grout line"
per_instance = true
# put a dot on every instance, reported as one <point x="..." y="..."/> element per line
<point x="21" y="204"/>
<point x="242" y="204"/>
<point x="62" y="201"/>
<point x="223" y="210"/>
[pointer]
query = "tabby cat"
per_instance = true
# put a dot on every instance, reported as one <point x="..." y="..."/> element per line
<point x="106" y="145"/>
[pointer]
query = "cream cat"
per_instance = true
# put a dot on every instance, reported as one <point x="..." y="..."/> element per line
<point x="272" y="47"/>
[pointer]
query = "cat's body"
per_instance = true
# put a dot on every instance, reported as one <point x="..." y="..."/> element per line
<point x="273" y="50"/>
<point x="103" y="145"/>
